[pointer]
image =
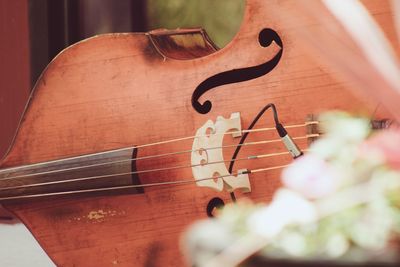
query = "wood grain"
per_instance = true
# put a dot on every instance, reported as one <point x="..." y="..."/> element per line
<point x="117" y="90"/>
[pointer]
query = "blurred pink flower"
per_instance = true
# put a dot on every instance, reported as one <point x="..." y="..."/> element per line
<point x="310" y="176"/>
<point x="387" y="144"/>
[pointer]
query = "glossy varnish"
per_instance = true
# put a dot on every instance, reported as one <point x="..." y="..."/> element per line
<point x="122" y="90"/>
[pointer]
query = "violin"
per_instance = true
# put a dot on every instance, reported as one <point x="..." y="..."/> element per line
<point x="128" y="138"/>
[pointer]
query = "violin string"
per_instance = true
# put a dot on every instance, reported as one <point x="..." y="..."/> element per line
<point x="307" y="123"/>
<point x="227" y="133"/>
<point x="97" y="177"/>
<point x="115" y="188"/>
<point x="157" y="143"/>
<point x="151" y="157"/>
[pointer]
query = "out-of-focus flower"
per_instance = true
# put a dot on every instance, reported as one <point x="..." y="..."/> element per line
<point x="234" y="215"/>
<point x="311" y="176"/>
<point x="342" y="136"/>
<point x="287" y="208"/>
<point x="341" y="125"/>
<point x="205" y="239"/>
<point x="385" y="144"/>
<point x="339" y="199"/>
<point x="293" y="243"/>
<point x="336" y="245"/>
<point x="373" y="229"/>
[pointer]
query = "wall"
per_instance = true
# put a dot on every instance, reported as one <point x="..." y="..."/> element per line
<point x="14" y="67"/>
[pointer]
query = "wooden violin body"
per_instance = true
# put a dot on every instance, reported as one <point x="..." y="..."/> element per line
<point x="120" y="90"/>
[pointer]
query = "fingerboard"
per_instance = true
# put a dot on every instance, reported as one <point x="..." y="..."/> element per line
<point x="115" y="168"/>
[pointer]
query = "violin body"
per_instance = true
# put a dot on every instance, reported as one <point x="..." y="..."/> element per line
<point x="119" y="90"/>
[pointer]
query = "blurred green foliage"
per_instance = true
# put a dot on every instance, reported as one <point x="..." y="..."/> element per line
<point x="220" y="18"/>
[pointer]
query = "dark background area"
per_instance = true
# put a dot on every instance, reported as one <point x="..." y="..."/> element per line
<point x="57" y="24"/>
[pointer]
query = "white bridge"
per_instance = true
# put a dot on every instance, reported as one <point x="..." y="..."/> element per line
<point x="207" y="156"/>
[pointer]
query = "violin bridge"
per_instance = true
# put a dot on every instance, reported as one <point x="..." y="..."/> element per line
<point x="207" y="156"/>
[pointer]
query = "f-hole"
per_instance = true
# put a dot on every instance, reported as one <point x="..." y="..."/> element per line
<point x="213" y="204"/>
<point x="265" y="39"/>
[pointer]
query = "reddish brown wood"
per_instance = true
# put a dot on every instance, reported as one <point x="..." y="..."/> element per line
<point x="116" y="90"/>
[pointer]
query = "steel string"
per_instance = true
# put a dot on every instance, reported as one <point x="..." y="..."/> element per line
<point x="140" y="146"/>
<point x="114" y="188"/>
